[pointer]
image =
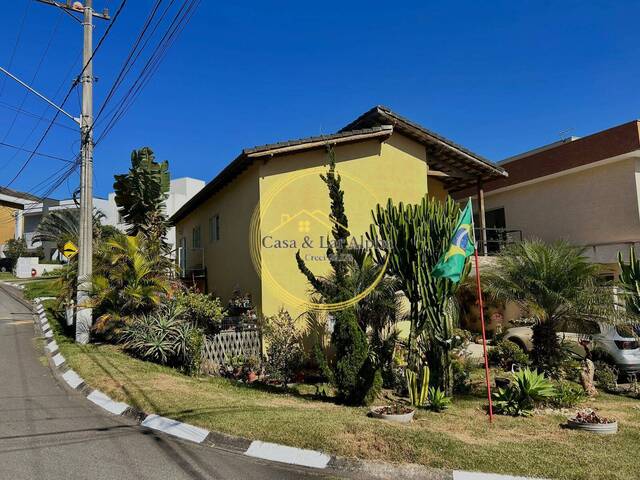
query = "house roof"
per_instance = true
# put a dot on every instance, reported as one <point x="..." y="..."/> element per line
<point x="15" y="199"/>
<point x="459" y="167"/>
<point x="248" y="155"/>
<point x="462" y="166"/>
<point x="569" y="154"/>
<point x="16" y="194"/>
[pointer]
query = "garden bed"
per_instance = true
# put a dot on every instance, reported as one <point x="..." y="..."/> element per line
<point x="459" y="438"/>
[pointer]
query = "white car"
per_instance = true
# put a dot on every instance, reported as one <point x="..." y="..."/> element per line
<point x="619" y="342"/>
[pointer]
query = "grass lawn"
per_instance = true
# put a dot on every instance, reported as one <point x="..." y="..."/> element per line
<point x="6" y="276"/>
<point x="458" y="438"/>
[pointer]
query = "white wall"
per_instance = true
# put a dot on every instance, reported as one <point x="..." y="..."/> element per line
<point x="593" y="206"/>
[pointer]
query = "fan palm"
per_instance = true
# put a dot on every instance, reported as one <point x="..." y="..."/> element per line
<point x="62" y="226"/>
<point x="551" y="283"/>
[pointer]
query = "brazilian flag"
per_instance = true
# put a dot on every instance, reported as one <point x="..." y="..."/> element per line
<point x="462" y="245"/>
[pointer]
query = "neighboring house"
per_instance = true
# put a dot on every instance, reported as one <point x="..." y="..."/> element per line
<point x="11" y="203"/>
<point x="181" y="189"/>
<point x="33" y="214"/>
<point x="242" y="231"/>
<point x="584" y="190"/>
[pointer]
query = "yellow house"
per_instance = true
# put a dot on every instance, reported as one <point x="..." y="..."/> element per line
<point x="11" y="202"/>
<point x="242" y="231"/>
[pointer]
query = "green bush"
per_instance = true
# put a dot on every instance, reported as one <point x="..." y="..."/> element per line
<point x="351" y="347"/>
<point x="606" y="376"/>
<point x="285" y="356"/>
<point x="202" y="309"/>
<point x="527" y="389"/>
<point x="567" y="396"/>
<point x="162" y="337"/>
<point x="506" y="354"/>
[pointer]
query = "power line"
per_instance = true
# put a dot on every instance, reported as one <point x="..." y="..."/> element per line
<point x="34" y="115"/>
<point x="55" y="117"/>
<point x="20" y="149"/>
<point x="15" y="46"/>
<point x="180" y="20"/>
<point x="35" y="75"/>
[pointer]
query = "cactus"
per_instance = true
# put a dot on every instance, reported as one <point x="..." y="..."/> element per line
<point x="411" y="239"/>
<point x="630" y="280"/>
<point x="418" y="391"/>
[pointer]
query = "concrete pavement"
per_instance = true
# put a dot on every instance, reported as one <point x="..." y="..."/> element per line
<point x="50" y="432"/>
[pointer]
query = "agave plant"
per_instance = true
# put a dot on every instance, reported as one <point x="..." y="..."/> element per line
<point x="163" y="337"/>
<point x="527" y="389"/>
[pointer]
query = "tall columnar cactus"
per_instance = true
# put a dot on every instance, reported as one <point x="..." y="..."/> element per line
<point x="630" y="280"/>
<point x="413" y="238"/>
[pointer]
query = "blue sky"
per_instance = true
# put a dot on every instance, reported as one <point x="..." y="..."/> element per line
<point x="498" y="77"/>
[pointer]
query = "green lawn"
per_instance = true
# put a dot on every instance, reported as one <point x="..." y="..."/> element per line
<point x="6" y="276"/>
<point x="459" y="438"/>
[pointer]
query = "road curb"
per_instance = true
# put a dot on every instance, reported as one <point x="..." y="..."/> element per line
<point x="312" y="459"/>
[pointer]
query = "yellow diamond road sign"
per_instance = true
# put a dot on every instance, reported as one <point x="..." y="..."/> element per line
<point x="70" y="250"/>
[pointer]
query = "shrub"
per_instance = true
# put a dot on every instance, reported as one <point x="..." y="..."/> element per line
<point x="351" y="347"/>
<point x="606" y="376"/>
<point x="284" y="351"/>
<point x="202" y="309"/>
<point x="526" y="390"/>
<point x="506" y="354"/>
<point x="567" y="396"/>
<point x="461" y="367"/>
<point x="438" y="401"/>
<point x="163" y="338"/>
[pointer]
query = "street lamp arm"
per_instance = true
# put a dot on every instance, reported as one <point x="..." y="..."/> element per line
<point x="10" y="75"/>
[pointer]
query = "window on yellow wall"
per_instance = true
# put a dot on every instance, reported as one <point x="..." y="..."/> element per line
<point x="214" y="228"/>
<point x="195" y="240"/>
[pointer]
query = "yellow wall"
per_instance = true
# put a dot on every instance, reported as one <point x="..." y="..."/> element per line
<point x="7" y="223"/>
<point x="436" y="189"/>
<point x="371" y="173"/>
<point x="227" y="260"/>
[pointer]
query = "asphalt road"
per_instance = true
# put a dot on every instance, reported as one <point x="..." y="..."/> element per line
<point x="50" y="432"/>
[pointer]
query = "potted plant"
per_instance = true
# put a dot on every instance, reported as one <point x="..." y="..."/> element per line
<point x="251" y="368"/>
<point x="394" y="413"/>
<point x="590" y="421"/>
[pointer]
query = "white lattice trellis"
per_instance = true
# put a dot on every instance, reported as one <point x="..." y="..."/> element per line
<point x="225" y="345"/>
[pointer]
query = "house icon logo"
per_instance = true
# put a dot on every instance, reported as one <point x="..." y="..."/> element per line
<point x="314" y="222"/>
<point x="291" y="230"/>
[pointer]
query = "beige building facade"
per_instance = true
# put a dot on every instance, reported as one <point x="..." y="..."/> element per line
<point x="583" y="190"/>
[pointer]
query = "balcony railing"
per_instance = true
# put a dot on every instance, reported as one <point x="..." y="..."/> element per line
<point x="496" y="239"/>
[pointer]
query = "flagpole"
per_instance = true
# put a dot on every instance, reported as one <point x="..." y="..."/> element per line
<point x="484" y="333"/>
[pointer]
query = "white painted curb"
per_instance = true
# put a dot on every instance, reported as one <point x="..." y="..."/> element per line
<point x="72" y="378"/>
<point x="176" y="428"/>
<point x="51" y="347"/>
<point x="460" y="475"/>
<point x="49" y="334"/>
<point x="284" y="454"/>
<point x="58" y="359"/>
<point x="103" y="401"/>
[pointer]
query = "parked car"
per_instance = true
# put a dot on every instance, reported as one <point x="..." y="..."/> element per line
<point x="617" y="343"/>
<point x="6" y="264"/>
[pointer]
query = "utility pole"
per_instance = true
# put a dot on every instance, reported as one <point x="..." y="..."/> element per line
<point x="84" y="313"/>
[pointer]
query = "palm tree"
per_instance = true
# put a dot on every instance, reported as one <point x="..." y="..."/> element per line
<point x="127" y="281"/>
<point x="552" y="283"/>
<point x="62" y="226"/>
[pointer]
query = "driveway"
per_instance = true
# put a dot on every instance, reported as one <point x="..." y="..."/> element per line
<point x="50" y="432"/>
